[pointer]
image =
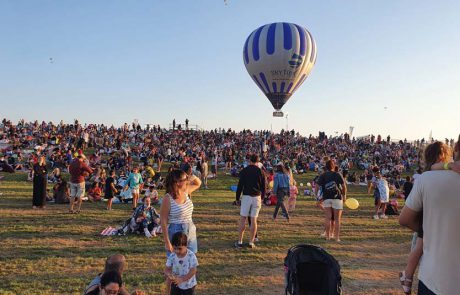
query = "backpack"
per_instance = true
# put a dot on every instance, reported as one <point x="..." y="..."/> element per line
<point x="330" y="190"/>
<point x="392" y="208"/>
<point x="310" y="270"/>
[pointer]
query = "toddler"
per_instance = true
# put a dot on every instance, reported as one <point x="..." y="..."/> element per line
<point x="181" y="267"/>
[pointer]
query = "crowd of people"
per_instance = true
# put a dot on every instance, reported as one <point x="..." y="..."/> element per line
<point x="126" y="163"/>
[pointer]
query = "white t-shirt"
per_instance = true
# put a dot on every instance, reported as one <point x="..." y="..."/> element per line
<point x="384" y="190"/>
<point x="437" y="194"/>
<point x="182" y="266"/>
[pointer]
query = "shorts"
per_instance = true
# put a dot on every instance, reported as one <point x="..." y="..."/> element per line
<point x="336" y="204"/>
<point x="250" y="206"/>
<point x="187" y="228"/>
<point x="177" y="291"/>
<point x="134" y="190"/>
<point x="77" y="190"/>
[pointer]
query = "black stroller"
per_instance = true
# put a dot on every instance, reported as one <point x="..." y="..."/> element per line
<point x="310" y="270"/>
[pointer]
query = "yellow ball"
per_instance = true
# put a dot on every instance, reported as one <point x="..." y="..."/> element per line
<point x="270" y="185"/>
<point x="352" y="203"/>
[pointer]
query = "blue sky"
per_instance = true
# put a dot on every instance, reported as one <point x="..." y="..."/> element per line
<point x="115" y="61"/>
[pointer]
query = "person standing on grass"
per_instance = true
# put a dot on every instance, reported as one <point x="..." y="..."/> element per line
<point x="181" y="267"/>
<point x="435" y="196"/>
<point x="78" y="171"/>
<point x="381" y="194"/>
<point x="334" y="193"/>
<point x="281" y="190"/>
<point x="252" y="185"/>
<point x="110" y="189"/>
<point x="176" y="212"/>
<point x="134" y="182"/>
<point x="40" y="182"/>
<point x="177" y="209"/>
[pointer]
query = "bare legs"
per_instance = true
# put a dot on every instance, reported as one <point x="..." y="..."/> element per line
<point x="252" y="229"/>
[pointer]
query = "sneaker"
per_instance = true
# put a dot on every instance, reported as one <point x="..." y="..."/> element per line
<point x="383" y="216"/>
<point x="256" y="240"/>
<point x="323" y="235"/>
<point x="238" y="245"/>
<point x="376" y="217"/>
<point x="251" y="245"/>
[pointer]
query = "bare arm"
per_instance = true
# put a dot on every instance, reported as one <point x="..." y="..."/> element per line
<point x="193" y="185"/>
<point x="114" y="189"/>
<point x="344" y="191"/>
<point x="370" y="187"/>
<point x="164" y="213"/>
<point x="168" y="271"/>
<point x="410" y="218"/>
<point x="190" y="274"/>
<point x="185" y="278"/>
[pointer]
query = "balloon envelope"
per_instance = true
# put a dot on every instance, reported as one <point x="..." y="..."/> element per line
<point x="279" y="57"/>
<point x="352" y="203"/>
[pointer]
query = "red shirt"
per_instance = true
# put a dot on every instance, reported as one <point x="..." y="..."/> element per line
<point x="76" y="170"/>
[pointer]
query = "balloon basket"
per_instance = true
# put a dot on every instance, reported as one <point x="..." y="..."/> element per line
<point x="278" y="114"/>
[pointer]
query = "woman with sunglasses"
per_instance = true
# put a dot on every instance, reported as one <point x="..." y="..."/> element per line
<point x="110" y="284"/>
<point x="177" y="208"/>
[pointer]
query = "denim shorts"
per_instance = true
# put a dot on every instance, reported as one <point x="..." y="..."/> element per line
<point x="187" y="228"/>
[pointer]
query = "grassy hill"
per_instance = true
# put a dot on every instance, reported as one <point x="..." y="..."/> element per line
<point x="52" y="252"/>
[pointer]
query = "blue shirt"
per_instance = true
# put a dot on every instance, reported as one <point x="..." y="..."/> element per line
<point x="134" y="180"/>
<point x="281" y="181"/>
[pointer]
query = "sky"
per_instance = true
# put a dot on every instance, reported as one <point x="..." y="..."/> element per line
<point x="388" y="67"/>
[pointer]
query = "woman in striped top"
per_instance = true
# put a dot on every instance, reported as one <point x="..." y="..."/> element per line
<point x="177" y="208"/>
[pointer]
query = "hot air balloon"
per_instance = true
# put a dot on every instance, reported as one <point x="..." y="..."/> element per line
<point x="279" y="57"/>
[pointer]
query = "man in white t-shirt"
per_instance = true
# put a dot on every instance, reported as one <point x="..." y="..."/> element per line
<point x="436" y="194"/>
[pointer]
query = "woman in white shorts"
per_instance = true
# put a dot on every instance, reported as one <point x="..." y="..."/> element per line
<point x="333" y="195"/>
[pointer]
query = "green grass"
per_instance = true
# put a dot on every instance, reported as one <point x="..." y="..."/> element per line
<point x="52" y="252"/>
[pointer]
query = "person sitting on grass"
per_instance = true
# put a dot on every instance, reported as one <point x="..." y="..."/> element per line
<point x="114" y="264"/>
<point x="145" y="219"/>
<point x="110" y="284"/>
<point x="181" y="267"/>
<point x="61" y="192"/>
<point x="152" y="193"/>
<point x="95" y="192"/>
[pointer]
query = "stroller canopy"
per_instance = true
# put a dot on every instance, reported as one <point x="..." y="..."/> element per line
<point x="310" y="270"/>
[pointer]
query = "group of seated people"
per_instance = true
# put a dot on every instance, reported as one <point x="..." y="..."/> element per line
<point x="96" y="186"/>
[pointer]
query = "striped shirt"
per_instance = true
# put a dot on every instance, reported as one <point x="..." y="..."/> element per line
<point x="180" y="213"/>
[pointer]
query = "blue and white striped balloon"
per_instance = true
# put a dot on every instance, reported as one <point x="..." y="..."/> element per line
<point x="279" y="57"/>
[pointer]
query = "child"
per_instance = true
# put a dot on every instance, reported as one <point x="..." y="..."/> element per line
<point x="110" y="189"/>
<point x="405" y="277"/>
<point x="381" y="194"/>
<point x="95" y="192"/>
<point x="152" y="193"/>
<point x="181" y="267"/>
<point x="292" y="197"/>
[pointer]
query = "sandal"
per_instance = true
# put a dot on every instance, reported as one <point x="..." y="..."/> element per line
<point x="406" y="283"/>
